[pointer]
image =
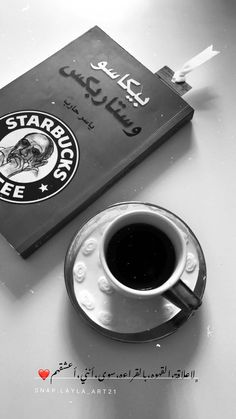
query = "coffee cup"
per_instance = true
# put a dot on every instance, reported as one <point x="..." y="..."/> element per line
<point x="143" y="254"/>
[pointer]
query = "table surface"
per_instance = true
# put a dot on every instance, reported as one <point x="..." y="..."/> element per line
<point x="192" y="174"/>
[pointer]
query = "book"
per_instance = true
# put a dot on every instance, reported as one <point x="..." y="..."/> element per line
<point x="70" y="127"/>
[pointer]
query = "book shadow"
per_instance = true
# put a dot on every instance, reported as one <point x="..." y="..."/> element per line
<point x="204" y="98"/>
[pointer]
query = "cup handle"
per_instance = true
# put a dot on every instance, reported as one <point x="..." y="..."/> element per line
<point x="182" y="296"/>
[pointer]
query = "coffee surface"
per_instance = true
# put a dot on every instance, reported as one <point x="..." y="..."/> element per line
<point x="140" y="256"/>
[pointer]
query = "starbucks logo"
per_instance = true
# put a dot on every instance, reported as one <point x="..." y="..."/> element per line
<point x="39" y="156"/>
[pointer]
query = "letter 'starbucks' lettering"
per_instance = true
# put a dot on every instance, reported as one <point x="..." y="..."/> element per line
<point x="39" y="156"/>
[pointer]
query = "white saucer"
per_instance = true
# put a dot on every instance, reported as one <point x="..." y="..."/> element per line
<point x="108" y="311"/>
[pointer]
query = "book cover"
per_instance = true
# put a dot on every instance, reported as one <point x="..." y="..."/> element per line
<point x="70" y="127"/>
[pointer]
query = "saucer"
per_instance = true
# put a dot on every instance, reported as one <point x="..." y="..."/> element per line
<point x="111" y="313"/>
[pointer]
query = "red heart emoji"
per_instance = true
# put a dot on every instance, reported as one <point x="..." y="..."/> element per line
<point x="43" y="373"/>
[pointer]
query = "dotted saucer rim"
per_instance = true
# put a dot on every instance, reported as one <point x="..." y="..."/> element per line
<point x="158" y="332"/>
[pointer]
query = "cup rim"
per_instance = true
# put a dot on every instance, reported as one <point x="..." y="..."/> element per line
<point x="182" y="250"/>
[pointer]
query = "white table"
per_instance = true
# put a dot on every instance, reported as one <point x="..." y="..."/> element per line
<point x="193" y="175"/>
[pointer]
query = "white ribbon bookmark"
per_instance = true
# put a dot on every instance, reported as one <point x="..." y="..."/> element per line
<point x="199" y="59"/>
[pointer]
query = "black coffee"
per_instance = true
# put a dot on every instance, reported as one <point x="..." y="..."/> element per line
<point x="140" y="256"/>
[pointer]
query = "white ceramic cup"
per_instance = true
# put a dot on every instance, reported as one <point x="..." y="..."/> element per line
<point x="173" y="288"/>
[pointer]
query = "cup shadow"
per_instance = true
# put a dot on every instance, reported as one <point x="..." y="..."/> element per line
<point x="138" y="398"/>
